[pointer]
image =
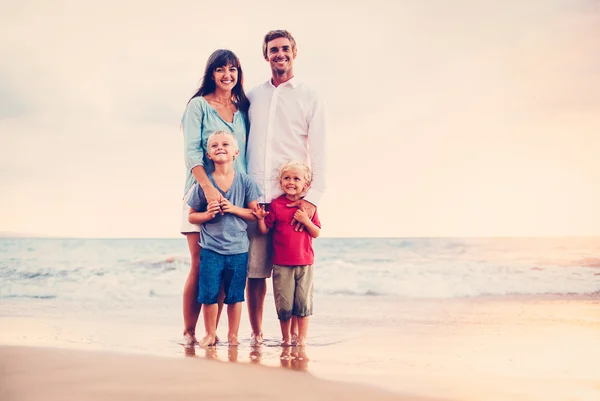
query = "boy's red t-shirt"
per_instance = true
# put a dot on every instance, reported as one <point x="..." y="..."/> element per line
<point x="290" y="247"/>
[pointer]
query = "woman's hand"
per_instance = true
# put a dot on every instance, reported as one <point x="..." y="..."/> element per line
<point x="212" y="195"/>
<point x="213" y="209"/>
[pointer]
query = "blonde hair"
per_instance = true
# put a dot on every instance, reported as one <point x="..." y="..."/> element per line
<point x="226" y="133"/>
<point x="303" y="168"/>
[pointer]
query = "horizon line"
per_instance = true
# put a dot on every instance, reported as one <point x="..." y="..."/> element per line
<point x="17" y="236"/>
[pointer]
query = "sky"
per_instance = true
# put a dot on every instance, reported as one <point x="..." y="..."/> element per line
<point x="464" y="118"/>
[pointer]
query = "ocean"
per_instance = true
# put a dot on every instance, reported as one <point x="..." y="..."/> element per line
<point x="383" y="307"/>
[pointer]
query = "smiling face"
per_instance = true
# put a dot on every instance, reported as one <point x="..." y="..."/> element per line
<point x="225" y="77"/>
<point x="222" y="147"/>
<point x="293" y="182"/>
<point x="281" y="55"/>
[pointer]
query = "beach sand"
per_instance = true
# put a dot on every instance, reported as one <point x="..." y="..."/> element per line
<point x="30" y="373"/>
<point x="542" y="348"/>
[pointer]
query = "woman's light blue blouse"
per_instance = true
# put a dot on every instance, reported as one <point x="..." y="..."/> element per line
<point x="199" y="121"/>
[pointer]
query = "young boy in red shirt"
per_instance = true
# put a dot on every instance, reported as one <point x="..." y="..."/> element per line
<point x="293" y="255"/>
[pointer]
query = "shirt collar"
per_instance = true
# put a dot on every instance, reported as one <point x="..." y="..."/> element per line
<point x="293" y="82"/>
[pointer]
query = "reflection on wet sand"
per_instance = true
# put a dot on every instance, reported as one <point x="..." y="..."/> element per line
<point x="256" y="354"/>
<point x="232" y="353"/>
<point x="294" y="357"/>
<point x="189" y="350"/>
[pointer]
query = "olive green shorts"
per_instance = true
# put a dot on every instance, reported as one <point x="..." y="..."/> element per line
<point x="293" y="290"/>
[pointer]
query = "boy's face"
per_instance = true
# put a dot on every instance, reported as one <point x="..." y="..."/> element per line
<point x="222" y="149"/>
<point x="293" y="182"/>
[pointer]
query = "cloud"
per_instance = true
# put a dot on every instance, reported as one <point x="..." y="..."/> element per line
<point x="446" y="110"/>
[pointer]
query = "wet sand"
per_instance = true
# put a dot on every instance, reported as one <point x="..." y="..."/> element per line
<point x="30" y="373"/>
<point x="542" y="348"/>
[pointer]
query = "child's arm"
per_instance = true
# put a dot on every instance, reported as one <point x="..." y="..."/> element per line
<point x="241" y="212"/>
<point x="260" y="214"/>
<point x="196" y="217"/>
<point x="310" y="227"/>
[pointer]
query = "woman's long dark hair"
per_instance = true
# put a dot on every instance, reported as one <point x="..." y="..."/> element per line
<point x="223" y="58"/>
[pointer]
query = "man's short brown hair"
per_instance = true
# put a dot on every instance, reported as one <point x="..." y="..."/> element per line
<point x="278" y="33"/>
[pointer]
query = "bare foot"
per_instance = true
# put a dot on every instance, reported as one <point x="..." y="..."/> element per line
<point x="208" y="341"/>
<point x="256" y="339"/>
<point x="294" y="339"/>
<point x="189" y="340"/>
<point x="301" y="341"/>
<point x="233" y="340"/>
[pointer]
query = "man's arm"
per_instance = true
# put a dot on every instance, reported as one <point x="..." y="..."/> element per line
<point x="317" y="142"/>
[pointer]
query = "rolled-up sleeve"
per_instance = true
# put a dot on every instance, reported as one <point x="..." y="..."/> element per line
<point x="317" y="140"/>
<point x="197" y="200"/>
<point x="192" y="134"/>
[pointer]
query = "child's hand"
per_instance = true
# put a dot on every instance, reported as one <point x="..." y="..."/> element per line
<point x="226" y="206"/>
<point x="301" y="216"/>
<point x="260" y="212"/>
<point x="213" y="209"/>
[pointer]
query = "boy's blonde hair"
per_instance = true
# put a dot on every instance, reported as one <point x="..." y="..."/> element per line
<point x="231" y="136"/>
<point x="303" y="168"/>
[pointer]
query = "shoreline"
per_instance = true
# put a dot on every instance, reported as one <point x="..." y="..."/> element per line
<point x="518" y="348"/>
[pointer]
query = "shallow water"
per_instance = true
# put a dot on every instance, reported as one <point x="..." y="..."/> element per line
<point x="407" y="315"/>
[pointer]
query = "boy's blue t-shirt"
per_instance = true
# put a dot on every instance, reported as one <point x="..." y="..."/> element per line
<point x="226" y="234"/>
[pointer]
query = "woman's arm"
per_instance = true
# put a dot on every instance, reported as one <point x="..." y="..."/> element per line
<point x="193" y="153"/>
<point x="211" y="193"/>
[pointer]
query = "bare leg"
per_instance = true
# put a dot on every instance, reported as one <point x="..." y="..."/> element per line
<point x="210" y="324"/>
<point x="220" y="302"/>
<point x="234" y="314"/>
<point x="302" y="330"/>
<point x="256" y="290"/>
<point x="294" y="330"/>
<point x="285" y="332"/>
<point x="191" y="307"/>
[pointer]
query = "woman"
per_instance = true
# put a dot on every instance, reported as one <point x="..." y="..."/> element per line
<point x="220" y="104"/>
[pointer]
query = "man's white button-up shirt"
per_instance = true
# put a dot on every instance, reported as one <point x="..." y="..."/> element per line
<point x="286" y="123"/>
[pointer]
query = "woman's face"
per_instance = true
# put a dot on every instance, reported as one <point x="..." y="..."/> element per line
<point x="225" y="77"/>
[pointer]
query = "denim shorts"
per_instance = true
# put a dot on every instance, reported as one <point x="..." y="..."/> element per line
<point x="227" y="269"/>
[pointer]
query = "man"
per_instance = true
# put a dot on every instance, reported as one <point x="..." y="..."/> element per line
<point x="287" y="122"/>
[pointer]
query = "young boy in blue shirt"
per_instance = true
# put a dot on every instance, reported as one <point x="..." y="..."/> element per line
<point x="223" y="238"/>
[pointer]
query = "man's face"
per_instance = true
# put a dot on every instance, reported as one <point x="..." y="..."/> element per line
<point x="280" y="55"/>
